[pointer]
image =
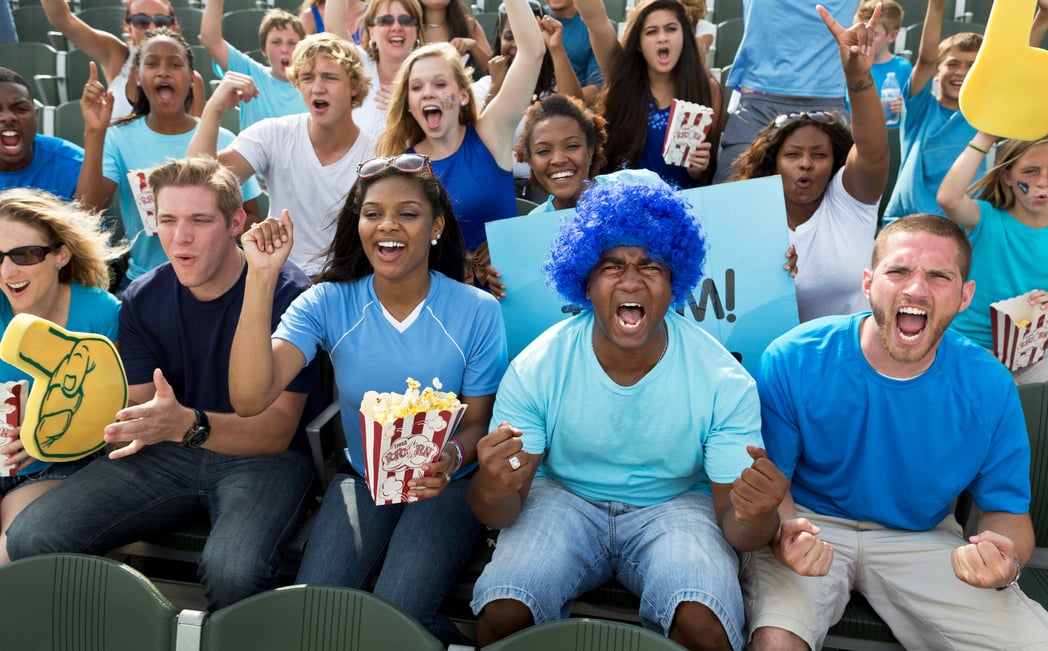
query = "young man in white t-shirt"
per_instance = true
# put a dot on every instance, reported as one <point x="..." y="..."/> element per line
<point x="309" y="160"/>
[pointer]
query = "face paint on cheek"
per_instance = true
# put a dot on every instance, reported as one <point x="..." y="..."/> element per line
<point x="1023" y="186"/>
<point x="449" y="100"/>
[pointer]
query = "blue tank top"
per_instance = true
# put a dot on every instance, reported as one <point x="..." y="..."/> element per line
<point x="318" y="20"/>
<point x="480" y="190"/>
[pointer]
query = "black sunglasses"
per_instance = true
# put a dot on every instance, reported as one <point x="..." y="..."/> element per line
<point x="410" y="163"/>
<point x="535" y="7"/>
<point x="822" y="117"/>
<point x="142" y="21"/>
<point x="387" y="20"/>
<point x="27" y="256"/>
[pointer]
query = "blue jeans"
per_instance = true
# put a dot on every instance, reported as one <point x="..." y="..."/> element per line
<point x="420" y="548"/>
<point x="254" y="503"/>
<point x="49" y="472"/>
<point x="562" y="545"/>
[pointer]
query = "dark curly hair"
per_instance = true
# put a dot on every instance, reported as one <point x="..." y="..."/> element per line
<point x="346" y="260"/>
<point x="759" y="159"/>
<point x="628" y="214"/>
<point x="141" y="106"/>
<point x="593" y="126"/>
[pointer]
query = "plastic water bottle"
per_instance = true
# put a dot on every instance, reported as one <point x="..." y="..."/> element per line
<point x="890" y="91"/>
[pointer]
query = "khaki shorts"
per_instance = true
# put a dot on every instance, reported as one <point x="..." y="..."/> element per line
<point x="906" y="576"/>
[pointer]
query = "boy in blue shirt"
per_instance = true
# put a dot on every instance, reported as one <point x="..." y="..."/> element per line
<point x="885" y="32"/>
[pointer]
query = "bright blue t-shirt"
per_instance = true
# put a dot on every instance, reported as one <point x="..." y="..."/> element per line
<point x="1009" y="258"/>
<point x="576" y="39"/>
<point x="479" y="189"/>
<point x="863" y="446"/>
<point x="135" y="147"/>
<point x="456" y="335"/>
<point x="787" y="50"/>
<point x="683" y="425"/>
<point x="276" y="98"/>
<point x="91" y="309"/>
<point x="55" y="168"/>
<point x="932" y="137"/>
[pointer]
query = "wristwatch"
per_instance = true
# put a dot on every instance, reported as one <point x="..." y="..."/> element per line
<point x="1018" y="573"/>
<point x="197" y="434"/>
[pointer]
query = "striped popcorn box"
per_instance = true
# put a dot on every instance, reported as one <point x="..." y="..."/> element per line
<point x="688" y="125"/>
<point x="13" y="396"/>
<point x="1020" y="332"/>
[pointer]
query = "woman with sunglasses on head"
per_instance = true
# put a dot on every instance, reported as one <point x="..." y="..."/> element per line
<point x="433" y="112"/>
<point x="832" y="180"/>
<point x="450" y="21"/>
<point x="657" y="62"/>
<point x="390" y="304"/>
<point x="53" y="262"/>
<point x="116" y="56"/>
<point x="120" y="155"/>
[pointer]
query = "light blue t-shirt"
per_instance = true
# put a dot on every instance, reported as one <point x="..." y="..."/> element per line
<point x="55" y="168"/>
<point x="1008" y="259"/>
<point x="863" y="446"/>
<point x="135" y="147"/>
<point x="683" y="425"/>
<point x="932" y="137"/>
<point x="91" y="310"/>
<point x="457" y="336"/>
<point x="787" y="50"/>
<point x="576" y="40"/>
<point x="275" y="97"/>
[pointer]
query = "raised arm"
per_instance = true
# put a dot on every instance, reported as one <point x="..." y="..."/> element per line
<point x="101" y="46"/>
<point x="567" y="81"/>
<point x="336" y="18"/>
<point x="953" y="191"/>
<point x="211" y="33"/>
<point x="233" y="89"/>
<point x="260" y="368"/>
<point x="93" y="190"/>
<point x="928" y="51"/>
<point x="499" y="120"/>
<point x="603" y="39"/>
<point x="866" y="169"/>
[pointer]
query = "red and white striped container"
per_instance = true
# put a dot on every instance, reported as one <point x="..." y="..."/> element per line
<point x="13" y="396"/>
<point x="1020" y="332"/>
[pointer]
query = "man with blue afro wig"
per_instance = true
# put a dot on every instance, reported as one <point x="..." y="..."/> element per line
<point x="649" y="216"/>
<point x="626" y="440"/>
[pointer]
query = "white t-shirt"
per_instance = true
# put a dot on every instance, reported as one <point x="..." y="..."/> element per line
<point x="369" y="116"/>
<point x="833" y="249"/>
<point x="280" y="150"/>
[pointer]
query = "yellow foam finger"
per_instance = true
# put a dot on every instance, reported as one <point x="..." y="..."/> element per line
<point x="1000" y="95"/>
<point x="79" y="385"/>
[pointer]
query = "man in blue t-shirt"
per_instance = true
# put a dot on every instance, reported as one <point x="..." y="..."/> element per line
<point x="576" y="40"/>
<point x="625" y="441"/>
<point x="182" y="452"/>
<point x="880" y="421"/>
<point x="29" y="159"/>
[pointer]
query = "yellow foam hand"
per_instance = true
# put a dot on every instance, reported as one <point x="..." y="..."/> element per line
<point x="999" y="95"/>
<point x="78" y="386"/>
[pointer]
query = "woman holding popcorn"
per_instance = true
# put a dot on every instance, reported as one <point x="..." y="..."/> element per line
<point x="389" y="304"/>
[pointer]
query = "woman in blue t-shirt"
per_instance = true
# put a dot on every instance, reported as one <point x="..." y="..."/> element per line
<point x="53" y="264"/>
<point x="390" y="304"/>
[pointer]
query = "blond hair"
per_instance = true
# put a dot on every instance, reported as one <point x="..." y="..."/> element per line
<point x="402" y="130"/>
<point x="891" y="14"/>
<point x="205" y="172"/>
<point x="64" y="224"/>
<point x="341" y="51"/>
<point x="991" y="187"/>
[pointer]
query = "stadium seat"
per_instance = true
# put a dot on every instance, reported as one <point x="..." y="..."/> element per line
<point x="1034" y="398"/>
<point x="30" y="59"/>
<point x="108" y="19"/>
<point x="33" y="27"/>
<point x="189" y="20"/>
<point x="584" y="634"/>
<point x="726" y="42"/>
<point x="949" y="28"/>
<point x="241" y="28"/>
<point x="723" y="10"/>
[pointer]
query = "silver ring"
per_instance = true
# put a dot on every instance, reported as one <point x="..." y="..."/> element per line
<point x="447" y="478"/>
<point x="514" y="462"/>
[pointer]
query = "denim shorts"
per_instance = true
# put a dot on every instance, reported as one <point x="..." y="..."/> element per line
<point x="54" y="471"/>
<point x="562" y="545"/>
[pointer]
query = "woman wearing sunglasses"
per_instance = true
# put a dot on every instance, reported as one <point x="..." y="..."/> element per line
<point x="390" y="304"/>
<point x="832" y="180"/>
<point x="116" y="56"/>
<point x="53" y="263"/>
<point x="433" y="112"/>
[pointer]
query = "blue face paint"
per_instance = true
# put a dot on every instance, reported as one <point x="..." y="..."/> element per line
<point x="1025" y="187"/>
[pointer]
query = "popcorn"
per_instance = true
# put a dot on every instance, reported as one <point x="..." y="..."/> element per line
<point x="13" y="397"/>
<point x="1020" y="332"/>
<point x="403" y="432"/>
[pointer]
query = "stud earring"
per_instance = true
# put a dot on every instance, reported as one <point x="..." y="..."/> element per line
<point x="434" y="241"/>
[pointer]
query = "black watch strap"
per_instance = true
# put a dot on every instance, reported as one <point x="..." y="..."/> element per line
<point x="198" y="434"/>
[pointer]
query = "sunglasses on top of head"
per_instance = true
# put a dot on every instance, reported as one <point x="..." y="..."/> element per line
<point x="822" y="117"/>
<point x="143" y="21"/>
<point x="409" y="163"/>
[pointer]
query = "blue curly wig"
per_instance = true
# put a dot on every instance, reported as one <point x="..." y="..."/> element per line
<point x="627" y="214"/>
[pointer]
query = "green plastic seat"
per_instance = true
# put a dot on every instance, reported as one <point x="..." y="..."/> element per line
<point x="314" y="618"/>
<point x="584" y="635"/>
<point x="72" y="602"/>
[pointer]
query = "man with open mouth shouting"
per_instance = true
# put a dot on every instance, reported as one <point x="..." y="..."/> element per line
<point x="881" y="421"/>
<point x="626" y="439"/>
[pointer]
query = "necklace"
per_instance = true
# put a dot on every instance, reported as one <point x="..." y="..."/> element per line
<point x="435" y="25"/>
